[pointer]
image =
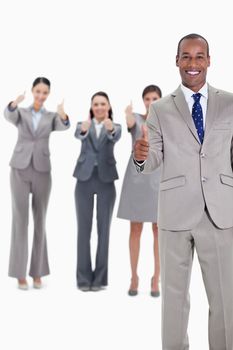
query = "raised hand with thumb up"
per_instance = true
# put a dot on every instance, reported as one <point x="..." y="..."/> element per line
<point x="18" y="100"/>
<point x="60" y="110"/>
<point x="141" y="146"/>
<point x="85" y="126"/>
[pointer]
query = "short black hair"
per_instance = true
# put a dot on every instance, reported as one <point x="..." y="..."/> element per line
<point x="152" y="88"/>
<point x="193" y="36"/>
<point x="41" y="80"/>
<point x="103" y="94"/>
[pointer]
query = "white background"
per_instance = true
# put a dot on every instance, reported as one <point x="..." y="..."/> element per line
<point x="82" y="47"/>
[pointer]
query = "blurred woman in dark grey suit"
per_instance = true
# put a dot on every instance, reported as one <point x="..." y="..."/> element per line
<point x="95" y="172"/>
<point x="30" y="173"/>
<point x="139" y="196"/>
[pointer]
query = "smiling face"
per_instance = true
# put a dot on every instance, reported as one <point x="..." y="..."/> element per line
<point x="193" y="61"/>
<point x="40" y="93"/>
<point x="100" y="107"/>
<point x="149" y="98"/>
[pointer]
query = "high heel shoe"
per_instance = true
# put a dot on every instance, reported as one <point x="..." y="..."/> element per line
<point x="22" y="285"/>
<point x="154" y="293"/>
<point x="37" y="283"/>
<point x="133" y="291"/>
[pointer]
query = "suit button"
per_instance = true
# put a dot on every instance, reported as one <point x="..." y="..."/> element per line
<point x="203" y="179"/>
<point x="203" y="155"/>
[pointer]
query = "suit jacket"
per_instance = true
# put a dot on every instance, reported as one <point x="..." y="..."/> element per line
<point x="97" y="151"/>
<point x="193" y="175"/>
<point x="33" y="144"/>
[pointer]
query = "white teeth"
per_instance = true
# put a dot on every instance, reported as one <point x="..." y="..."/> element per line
<point x="192" y="73"/>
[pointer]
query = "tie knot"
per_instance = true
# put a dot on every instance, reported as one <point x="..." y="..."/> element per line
<point x="196" y="97"/>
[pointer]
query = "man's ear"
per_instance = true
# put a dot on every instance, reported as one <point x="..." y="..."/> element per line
<point x="177" y="58"/>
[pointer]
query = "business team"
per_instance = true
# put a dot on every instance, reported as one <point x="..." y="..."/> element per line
<point x="189" y="135"/>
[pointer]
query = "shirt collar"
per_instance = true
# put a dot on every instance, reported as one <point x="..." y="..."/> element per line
<point x="97" y="123"/>
<point x="40" y="110"/>
<point x="188" y="92"/>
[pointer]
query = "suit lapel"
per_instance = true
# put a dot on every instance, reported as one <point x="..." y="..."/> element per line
<point x="182" y="106"/>
<point x="212" y="109"/>
<point x="41" y="122"/>
<point x="93" y="135"/>
<point x="97" y="142"/>
<point x="29" y="121"/>
<point x="102" y="136"/>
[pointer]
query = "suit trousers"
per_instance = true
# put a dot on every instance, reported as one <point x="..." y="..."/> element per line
<point x="23" y="182"/>
<point x="84" y="200"/>
<point x="214" y="249"/>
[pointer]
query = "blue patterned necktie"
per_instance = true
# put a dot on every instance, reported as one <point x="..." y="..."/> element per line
<point x="198" y="116"/>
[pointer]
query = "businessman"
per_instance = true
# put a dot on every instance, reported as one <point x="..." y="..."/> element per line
<point x="191" y="133"/>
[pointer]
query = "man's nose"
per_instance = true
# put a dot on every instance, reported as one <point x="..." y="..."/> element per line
<point x="193" y="62"/>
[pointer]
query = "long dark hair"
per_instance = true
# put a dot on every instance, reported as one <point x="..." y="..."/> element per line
<point x="101" y="93"/>
<point x="41" y="80"/>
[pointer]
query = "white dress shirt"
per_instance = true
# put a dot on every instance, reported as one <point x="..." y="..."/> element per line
<point x="203" y="100"/>
<point x="98" y="127"/>
<point x="190" y="101"/>
<point x="36" y="117"/>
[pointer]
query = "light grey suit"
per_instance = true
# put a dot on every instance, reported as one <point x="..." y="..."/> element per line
<point x="30" y="173"/>
<point x="195" y="210"/>
<point x="95" y="172"/>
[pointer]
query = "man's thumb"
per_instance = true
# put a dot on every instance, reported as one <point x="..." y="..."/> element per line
<point x="144" y="133"/>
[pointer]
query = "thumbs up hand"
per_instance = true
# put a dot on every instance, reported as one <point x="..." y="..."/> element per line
<point x="144" y="133"/>
<point x="60" y="110"/>
<point x="85" y="125"/>
<point x="141" y="146"/>
<point x="130" y="119"/>
<point x="108" y="124"/>
<point x="18" y="100"/>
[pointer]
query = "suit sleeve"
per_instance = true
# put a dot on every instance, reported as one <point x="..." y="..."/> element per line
<point x="59" y="124"/>
<point x="116" y="134"/>
<point x="78" y="132"/>
<point x="12" y="114"/>
<point x="155" y="156"/>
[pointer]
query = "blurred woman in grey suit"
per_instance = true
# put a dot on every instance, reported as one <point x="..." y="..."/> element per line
<point x="95" y="172"/>
<point x="138" y="188"/>
<point x="30" y="173"/>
